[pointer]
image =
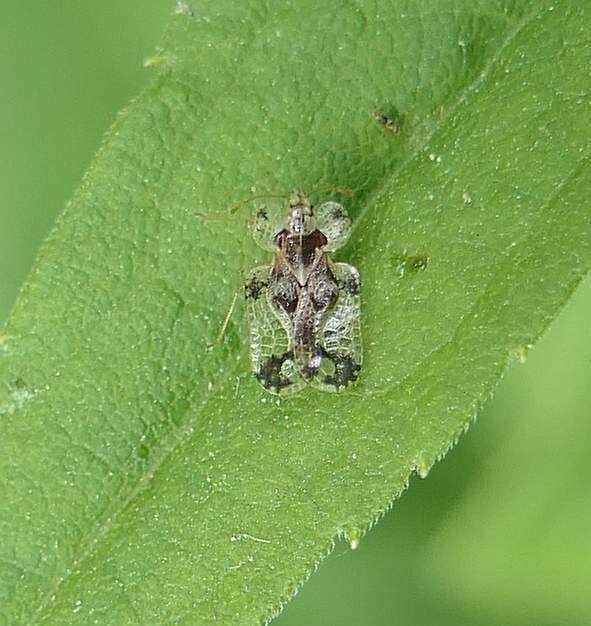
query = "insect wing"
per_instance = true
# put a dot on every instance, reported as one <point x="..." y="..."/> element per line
<point x="333" y="221"/>
<point x="271" y="358"/>
<point x="267" y="222"/>
<point x="340" y="336"/>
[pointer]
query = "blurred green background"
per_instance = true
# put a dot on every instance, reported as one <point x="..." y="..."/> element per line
<point x="499" y="533"/>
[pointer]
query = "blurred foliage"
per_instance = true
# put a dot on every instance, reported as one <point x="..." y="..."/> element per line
<point x="498" y="533"/>
<point x="66" y="68"/>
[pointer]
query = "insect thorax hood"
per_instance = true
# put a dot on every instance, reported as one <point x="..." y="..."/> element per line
<point x="300" y="220"/>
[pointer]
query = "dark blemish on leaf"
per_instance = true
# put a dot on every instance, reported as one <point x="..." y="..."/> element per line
<point x="392" y="123"/>
<point x="143" y="452"/>
<point x="19" y="384"/>
<point x="262" y="214"/>
<point x="407" y="266"/>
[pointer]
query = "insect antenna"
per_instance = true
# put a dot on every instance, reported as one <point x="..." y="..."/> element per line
<point x="333" y="189"/>
<point x="234" y="208"/>
<point x="216" y="217"/>
<point x="222" y="217"/>
<point x="329" y="188"/>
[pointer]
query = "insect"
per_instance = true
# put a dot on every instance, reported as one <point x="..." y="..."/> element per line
<point x="304" y="308"/>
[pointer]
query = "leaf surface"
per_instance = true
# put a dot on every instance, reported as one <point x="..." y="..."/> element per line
<point x="147" y="480"/>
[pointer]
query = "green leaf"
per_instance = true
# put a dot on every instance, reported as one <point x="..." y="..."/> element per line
<point x="146" y="480"/>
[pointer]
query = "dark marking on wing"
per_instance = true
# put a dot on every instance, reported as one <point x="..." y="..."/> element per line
<point x="338" y="213"/>
<point x="253" y="288"/>
<point x="270" y="375"/>
<point x="351" y="285"/>
<point x="346" y="370"/>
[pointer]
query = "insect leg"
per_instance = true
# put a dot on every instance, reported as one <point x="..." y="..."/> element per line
<point x="220" y="336"/>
